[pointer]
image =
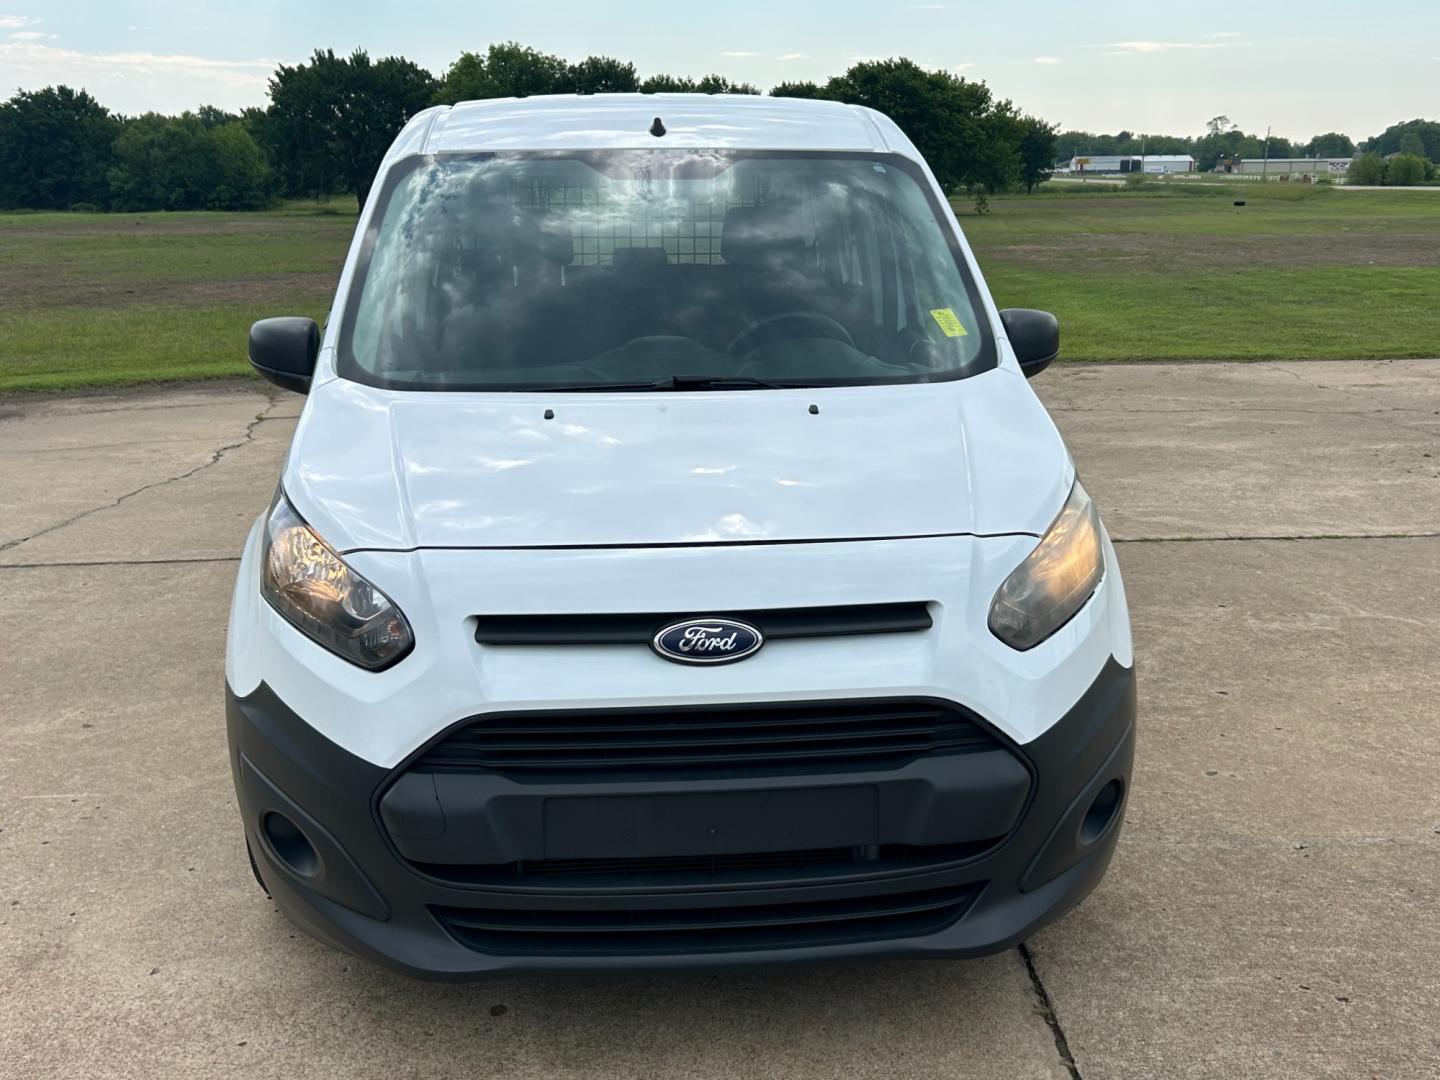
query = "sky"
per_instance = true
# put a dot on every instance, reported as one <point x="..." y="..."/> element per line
<point x="1100" y="65"/>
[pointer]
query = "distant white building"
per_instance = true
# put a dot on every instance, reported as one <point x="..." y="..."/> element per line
<point x="1112" y="164"/>
<point x="1294" y="168"/>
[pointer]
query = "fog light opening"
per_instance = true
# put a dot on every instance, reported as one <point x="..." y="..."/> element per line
<point x="1102" y="812"/>
<point x="289" y="844"/>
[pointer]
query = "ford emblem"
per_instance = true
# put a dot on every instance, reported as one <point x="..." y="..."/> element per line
<point x="707" y="641"/>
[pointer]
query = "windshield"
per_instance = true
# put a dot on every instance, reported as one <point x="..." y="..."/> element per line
<point x="659" y="270"/>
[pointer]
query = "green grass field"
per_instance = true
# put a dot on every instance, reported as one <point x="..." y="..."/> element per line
<point x="111" y="299"/>
<point x="1178" y="272"/>
<point x="1173" y="272"/>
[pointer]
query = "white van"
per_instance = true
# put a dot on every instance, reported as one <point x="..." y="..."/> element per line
<point x="672" y="565"/>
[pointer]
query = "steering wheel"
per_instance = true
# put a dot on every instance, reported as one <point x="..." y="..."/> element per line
<point x="789" y="324"/>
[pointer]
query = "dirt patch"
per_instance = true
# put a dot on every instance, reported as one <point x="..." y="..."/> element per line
<point x="28" y="293"/>
<point x="159" y="394"/>
<point x="1159" y="254"/>
<point x="161" y="225"/>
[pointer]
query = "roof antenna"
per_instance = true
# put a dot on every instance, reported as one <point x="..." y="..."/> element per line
<point x="657" y="128"/>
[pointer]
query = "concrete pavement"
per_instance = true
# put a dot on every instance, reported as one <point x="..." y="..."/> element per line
<point x="1271" y="910"/>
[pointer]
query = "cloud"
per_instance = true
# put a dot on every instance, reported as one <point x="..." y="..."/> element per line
<point x="962" y="68"/>
<point x="794" y="56"/>
<point x="1135" y="47"/>
<point x="30" y="35"/>
<point x="134" y="81"/>
<point x="15" y="22"/>
<point x="739" y="54"/>
<point x="1047" y="60"/>
<point x="1224" y="34"/>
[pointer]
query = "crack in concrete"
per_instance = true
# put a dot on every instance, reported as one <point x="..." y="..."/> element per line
<point x="215" y="458"/>
<point x="1302" y="842"/>
<point x="1047" y="1010"/>
<point x="1288" y="537"/>
<point x="128" y="399"/>
<point x="123" y="445"/>
<point x="83" y="563"/>
<point x="1227" y="410"/>
<point x="1376" y="405"/>
<point x="1378" y="410"/>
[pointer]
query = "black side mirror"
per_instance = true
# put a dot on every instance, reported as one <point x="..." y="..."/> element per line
<point x="283" y="351"/>
<point x="1035" y="337"/>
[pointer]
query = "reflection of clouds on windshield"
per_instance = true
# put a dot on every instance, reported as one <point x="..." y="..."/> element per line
<point x="731" y="527"/>
<point x="507" y="271"/>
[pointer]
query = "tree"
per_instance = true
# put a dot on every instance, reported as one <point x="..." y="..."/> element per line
<point x="1279" y="147"/>
<point x="1167" y="144"/>
<point x="508" y="69"/>
<point x="807" y="90"/>
<point x="1332" y="144"/>
<point x="158" y="166"/>
<point x="1223" y="140"/>
<point x="243" y="180"/>
<point x="1368" y="168"/>
<point x="1071" y="144"/>
<point x="603" y="75"/>
<point x="1037" y="151"/>
<point x="1390" y="140"/>
<point x="1405" y="170"/>
<point x="995" y="163"/>
<point x="667" y="84"/>
<point x="180" y="163"/>
<point x="56" y="149"/>
<point x="719" y="84"/>
<point x="333" y="119"/>
<point x="682" y="84"/>
<point x="1411" y="143"/>
<point x="211" y="116"/>
<point x="970" y="141"/>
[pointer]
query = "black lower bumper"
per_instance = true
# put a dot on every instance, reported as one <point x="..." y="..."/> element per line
<point x="952" y="854"/>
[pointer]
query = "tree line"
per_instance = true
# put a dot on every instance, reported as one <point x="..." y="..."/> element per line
<point x="1224" y="141"/>
<point x="330" y="119"/>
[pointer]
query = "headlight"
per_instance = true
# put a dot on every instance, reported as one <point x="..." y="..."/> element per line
<point x="1055" y="579"/>
<point x="326" y="600"/>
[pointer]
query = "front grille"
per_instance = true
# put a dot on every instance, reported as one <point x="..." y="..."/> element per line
<point x="731" y="739"/>
<point x="732" y="870"/>
<point x="628" y="932"/>
<point x="640" y="627"/>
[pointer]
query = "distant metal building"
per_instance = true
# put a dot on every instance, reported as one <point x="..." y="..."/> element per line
<point x="1113" y="164"/>
<point x="1294" y="168"/>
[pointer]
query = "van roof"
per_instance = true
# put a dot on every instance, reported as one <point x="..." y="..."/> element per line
<point x="609" y="121"/>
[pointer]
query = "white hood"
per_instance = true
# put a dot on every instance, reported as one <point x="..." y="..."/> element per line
<point x="379" y="469"/>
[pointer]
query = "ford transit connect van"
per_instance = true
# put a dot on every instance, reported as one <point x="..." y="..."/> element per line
<point x="672" y="565"/>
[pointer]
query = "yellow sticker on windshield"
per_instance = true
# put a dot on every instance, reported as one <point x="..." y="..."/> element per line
<point x="948" y="322"/>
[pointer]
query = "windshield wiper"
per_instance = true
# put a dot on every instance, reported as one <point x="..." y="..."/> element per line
<point x="722" y="382"/>
<point x="680" y="382"/>
<point x="582" y="388"/>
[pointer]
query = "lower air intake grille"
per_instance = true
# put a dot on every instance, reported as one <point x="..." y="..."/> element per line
<point x="731" y="870"/>
<point x="626" y="932"/>
<point x="797" y="737"/>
